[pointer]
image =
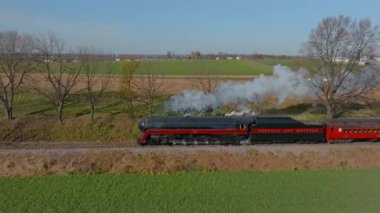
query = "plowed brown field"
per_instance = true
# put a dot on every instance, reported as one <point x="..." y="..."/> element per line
<point x="90" y="158"/>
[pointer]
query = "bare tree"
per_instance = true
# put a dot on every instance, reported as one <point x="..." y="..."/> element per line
<point x="148" y="87"/>
<point x="170" y="54"/>
<point x="206" y="81"/>
<point x="258" y="103"/>
<point x="337" y="44"/>
<point x="94" y="82"/>
<point x="62" y="76"/>
<point x="15" y="61"/>
<point x="196" y="55"/>
<point x="126" y="87"/>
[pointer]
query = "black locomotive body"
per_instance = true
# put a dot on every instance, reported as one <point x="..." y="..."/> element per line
<point x="194" y="130"/>
<point x="285" y="130"/>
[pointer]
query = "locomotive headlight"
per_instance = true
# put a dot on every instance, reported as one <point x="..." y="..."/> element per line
<point x="142" y="125"/>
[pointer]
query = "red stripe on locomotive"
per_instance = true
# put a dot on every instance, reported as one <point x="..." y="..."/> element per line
<point x="287" y="130"/>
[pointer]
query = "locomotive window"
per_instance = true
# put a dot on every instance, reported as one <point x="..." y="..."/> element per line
<point x="370" y="131"/>
<point x="365" y="131"/>
<point x="355" y="131"/>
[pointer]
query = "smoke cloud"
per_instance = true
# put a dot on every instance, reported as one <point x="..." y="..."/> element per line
<point x="283" y="83"/>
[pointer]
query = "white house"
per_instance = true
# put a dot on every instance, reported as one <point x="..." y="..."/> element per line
<point x="363" y="60"/>
<point x="341" y="59"/>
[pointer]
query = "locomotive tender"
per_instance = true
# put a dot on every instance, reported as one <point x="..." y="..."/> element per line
<point x="254" y="130"/>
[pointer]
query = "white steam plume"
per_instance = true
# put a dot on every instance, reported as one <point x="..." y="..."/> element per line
<point x="284" y="83"/>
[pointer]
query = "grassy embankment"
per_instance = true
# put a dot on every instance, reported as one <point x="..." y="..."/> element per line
<point x="35" y="120"/>
<point x="306" y="191"/>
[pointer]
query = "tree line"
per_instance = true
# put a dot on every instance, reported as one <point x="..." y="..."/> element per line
<point x="61" y="66"/>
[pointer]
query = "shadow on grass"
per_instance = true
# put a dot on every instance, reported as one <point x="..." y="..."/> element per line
<point x="113" y="108"/>
<point x="294" y="109"/>
<point x="41" y="111"/>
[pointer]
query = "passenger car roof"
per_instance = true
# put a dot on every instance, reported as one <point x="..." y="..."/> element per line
<point x="353" y="122"/>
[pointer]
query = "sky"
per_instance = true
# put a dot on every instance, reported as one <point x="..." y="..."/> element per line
<point x="157" y="26"/>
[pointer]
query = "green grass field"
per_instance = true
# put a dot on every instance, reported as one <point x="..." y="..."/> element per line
<point x="219" y="67"/>
<point x="307" y="191"/>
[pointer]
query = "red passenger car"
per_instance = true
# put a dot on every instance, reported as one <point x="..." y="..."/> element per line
<point x="347" y="130"/>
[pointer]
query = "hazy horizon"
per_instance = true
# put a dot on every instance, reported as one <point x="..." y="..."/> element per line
<point x="152" y="27"/>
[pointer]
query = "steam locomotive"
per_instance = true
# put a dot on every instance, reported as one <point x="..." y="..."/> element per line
<point x="253" y="130"/>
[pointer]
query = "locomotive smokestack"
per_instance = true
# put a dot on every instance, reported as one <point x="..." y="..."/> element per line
<point x="284" y="83"/>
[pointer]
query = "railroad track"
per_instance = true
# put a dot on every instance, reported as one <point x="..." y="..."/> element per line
<point x="60" y="145"/>
<point x="90" y="145"/>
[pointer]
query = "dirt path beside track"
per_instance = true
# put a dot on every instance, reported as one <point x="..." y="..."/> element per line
<point x="29" y="159"/>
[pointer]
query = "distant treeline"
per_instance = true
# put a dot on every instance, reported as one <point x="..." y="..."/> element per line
<point x="197" y="55"/>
